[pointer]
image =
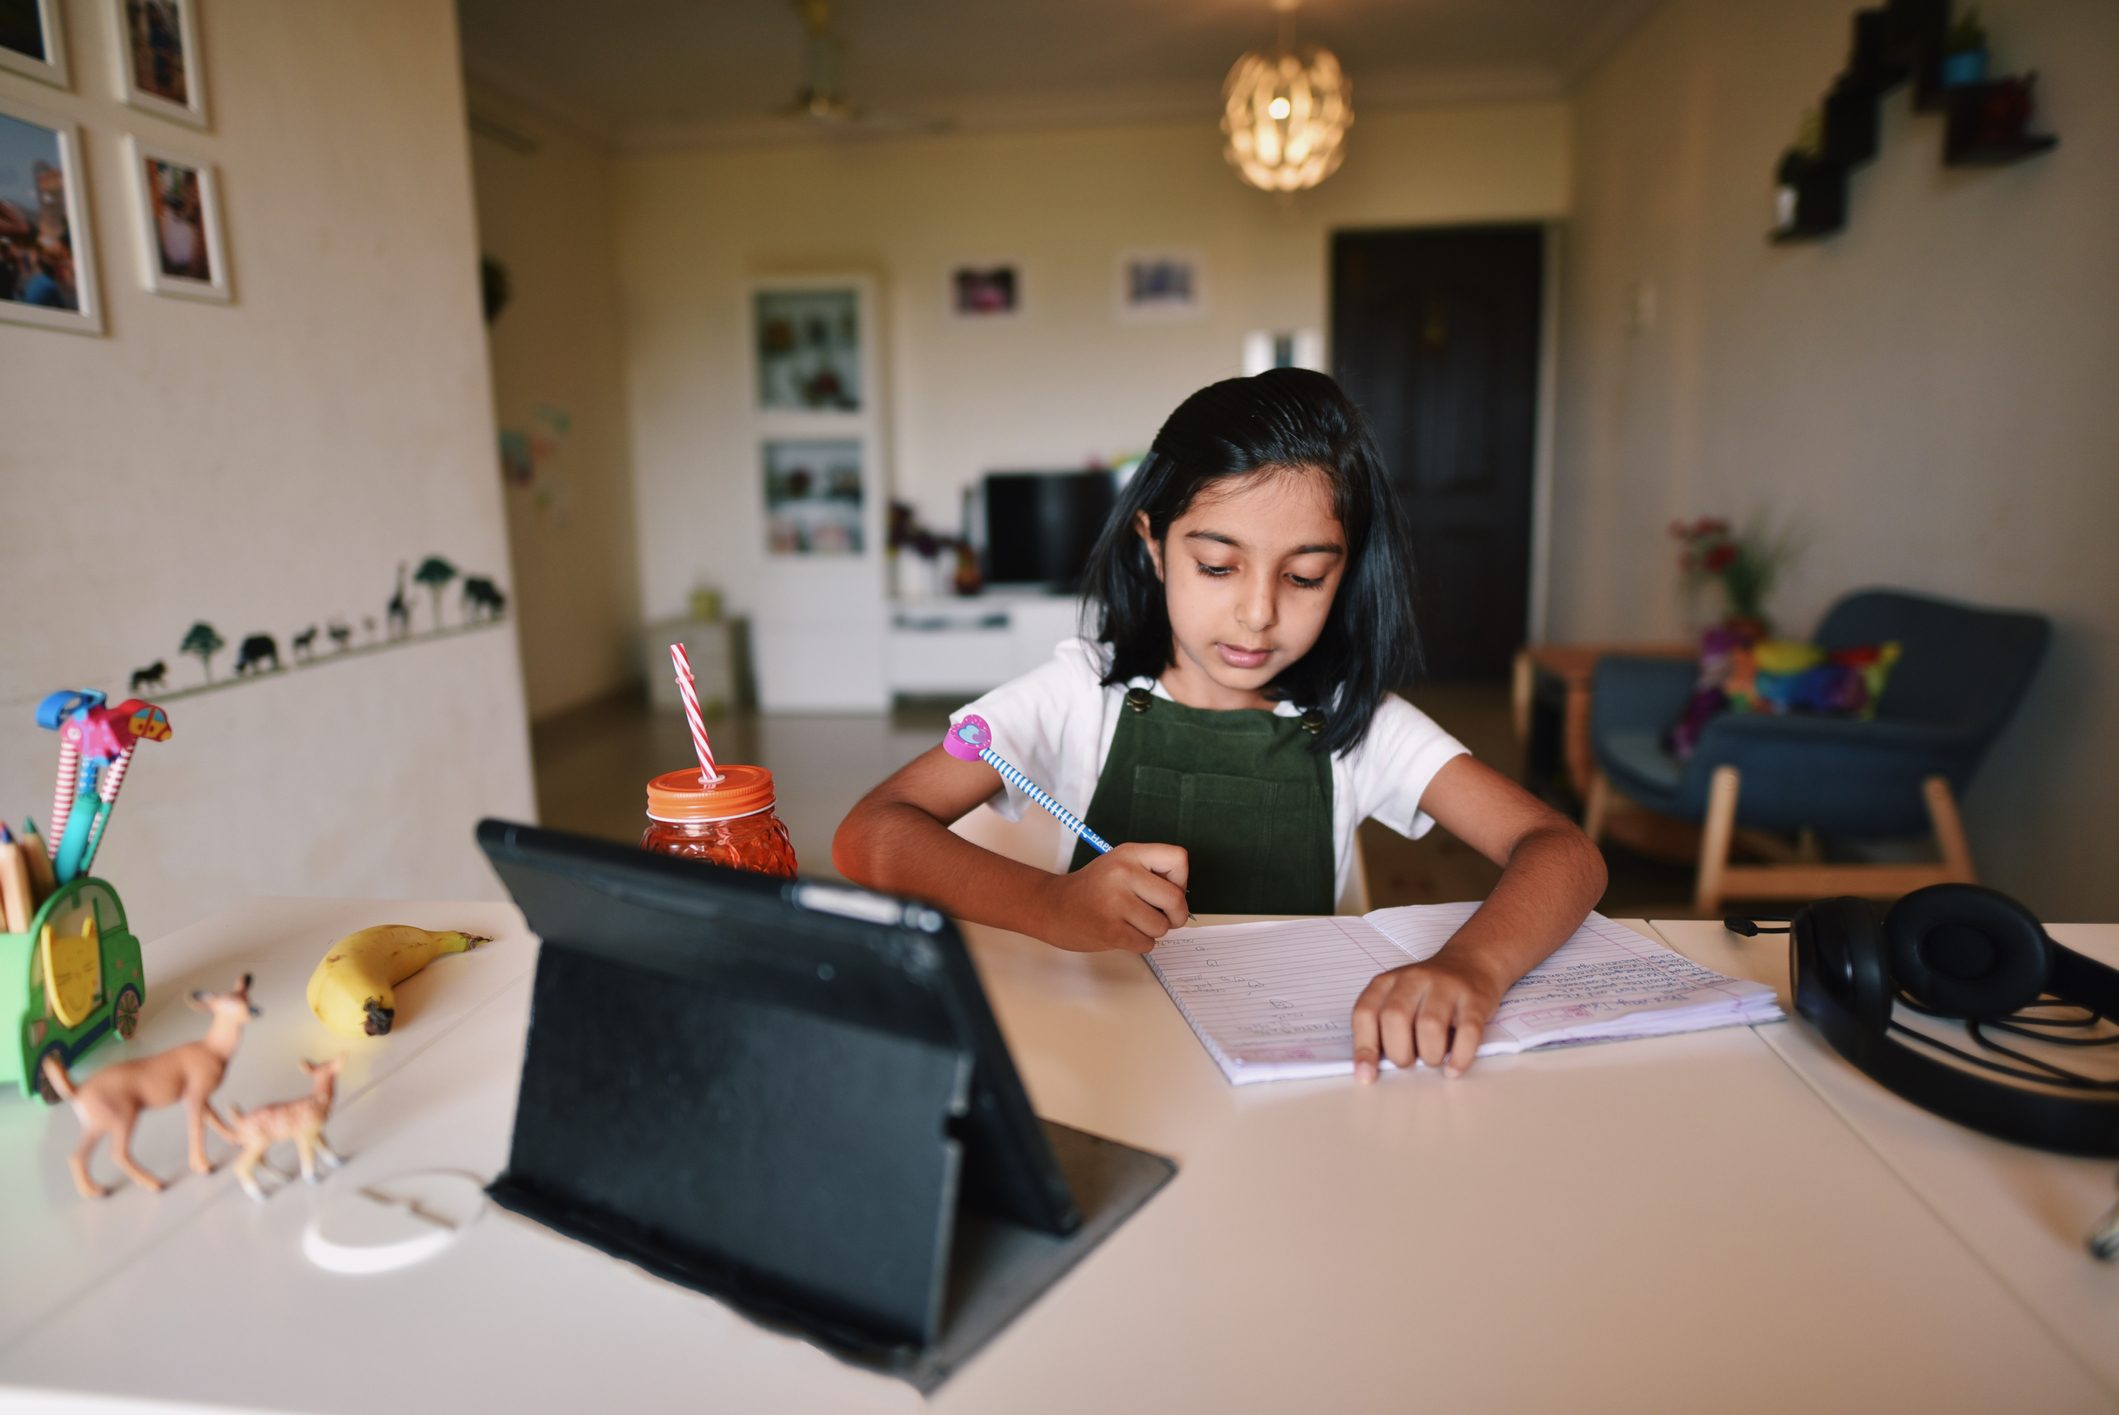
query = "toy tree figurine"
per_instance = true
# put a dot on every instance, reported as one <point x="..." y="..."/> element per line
<point x="435" y="572"/>
<point x="203" y="643"/>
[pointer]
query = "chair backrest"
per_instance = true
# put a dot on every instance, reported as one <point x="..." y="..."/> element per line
<point x="1963" y="667"/>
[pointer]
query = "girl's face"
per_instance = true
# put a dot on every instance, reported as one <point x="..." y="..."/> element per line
<point x="1249" y="572"/>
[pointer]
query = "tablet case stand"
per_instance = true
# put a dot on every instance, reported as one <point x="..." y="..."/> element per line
<point x="809" y="1164"/>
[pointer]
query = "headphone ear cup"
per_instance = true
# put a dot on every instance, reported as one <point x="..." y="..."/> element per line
<point x="1869" y="968"/>
<point x="1839" y="950"/>
<point x="1965" y="951"/>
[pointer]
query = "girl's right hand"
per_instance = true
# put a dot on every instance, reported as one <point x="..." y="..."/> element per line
<point x="1125" y="899"/>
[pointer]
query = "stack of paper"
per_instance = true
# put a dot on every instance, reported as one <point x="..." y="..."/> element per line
<point x="1274" y="1001"/>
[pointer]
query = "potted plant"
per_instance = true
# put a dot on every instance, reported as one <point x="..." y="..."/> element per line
<point x="1801" y="167"/>
<point x="915" y="554"/>
<point x="1964" y="51"/>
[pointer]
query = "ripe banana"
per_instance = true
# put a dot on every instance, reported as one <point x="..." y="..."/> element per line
<point x="351" y="990"/>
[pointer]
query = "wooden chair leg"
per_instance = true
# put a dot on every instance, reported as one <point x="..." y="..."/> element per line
<point x="1949" y="830"/>
<point x="1714" y="840"/>
<point x="1597" y="808"/>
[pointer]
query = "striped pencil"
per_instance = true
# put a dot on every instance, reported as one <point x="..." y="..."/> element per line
<point x="64" y="790"/>
<point x="971" y="740"/>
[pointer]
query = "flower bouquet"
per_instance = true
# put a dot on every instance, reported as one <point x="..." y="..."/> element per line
<point x="1744" y="566"/>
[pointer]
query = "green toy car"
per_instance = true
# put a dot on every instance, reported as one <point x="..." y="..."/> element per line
<point x="68" y="982"/>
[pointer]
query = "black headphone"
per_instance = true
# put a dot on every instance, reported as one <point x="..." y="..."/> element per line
<point x="1959" y="951"/>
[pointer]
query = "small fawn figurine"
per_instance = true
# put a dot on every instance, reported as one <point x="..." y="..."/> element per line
<point x="109" y="1102"/>
<point x="301" y="1121"/>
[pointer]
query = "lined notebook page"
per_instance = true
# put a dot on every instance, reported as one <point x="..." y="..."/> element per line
<point x="1604" y="974"/>
<point x="1273" y="1001"/>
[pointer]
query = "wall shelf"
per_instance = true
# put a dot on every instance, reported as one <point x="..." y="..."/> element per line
<point x="1891" y="44"/>
<point x="2001" y="154"/>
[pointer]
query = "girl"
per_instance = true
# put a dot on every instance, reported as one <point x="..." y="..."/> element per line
<point x="1233" y="722"/>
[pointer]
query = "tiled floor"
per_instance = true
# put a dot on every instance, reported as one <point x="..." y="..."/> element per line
<point x="592" y="764"/>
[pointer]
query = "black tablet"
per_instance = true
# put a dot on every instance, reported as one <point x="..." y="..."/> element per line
<point x="778" y="1091"/>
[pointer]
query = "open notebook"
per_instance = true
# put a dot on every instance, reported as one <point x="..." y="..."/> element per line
<point x="1274" y="1001"/>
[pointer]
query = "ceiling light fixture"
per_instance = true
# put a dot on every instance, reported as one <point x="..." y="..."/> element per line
<point x="1285" y="113"/>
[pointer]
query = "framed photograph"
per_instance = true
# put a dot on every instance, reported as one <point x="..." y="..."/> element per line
<point x="31" y="41"/>
<point x="1161" y="284"/>
<point x="986" y="290"/>
<point x="178" y="210"/>
<point x="158" y="59"/>
<point x="47" y="256"/>
<point x="813" y="496"/>
<point x="807" y="343"/>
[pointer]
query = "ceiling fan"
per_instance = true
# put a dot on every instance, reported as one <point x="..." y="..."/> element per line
<point x="820" y="102"/>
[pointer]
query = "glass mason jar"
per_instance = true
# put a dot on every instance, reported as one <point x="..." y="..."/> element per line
<point x="730" y="822"/>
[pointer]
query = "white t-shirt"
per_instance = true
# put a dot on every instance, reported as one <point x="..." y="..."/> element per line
<point x="1056" y="722"/>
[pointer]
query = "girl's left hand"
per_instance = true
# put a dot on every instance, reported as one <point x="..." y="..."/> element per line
<point x="1433" y="1011"/>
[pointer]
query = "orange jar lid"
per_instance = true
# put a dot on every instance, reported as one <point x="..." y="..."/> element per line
<point x="679" y="796"/>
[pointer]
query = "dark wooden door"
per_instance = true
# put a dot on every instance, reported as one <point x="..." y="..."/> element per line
<point x="1435" y="337"/>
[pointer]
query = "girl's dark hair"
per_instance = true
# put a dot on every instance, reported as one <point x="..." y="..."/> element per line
<point x="1284" y="420"/>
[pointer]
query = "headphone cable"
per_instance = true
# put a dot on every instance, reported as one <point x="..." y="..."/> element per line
<point x="2053" y="1075"/>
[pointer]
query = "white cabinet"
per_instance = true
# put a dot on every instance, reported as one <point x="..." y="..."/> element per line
<point x="719" y="650"/>
<point x="813" y="663"/>
<point x="962" y="647"/>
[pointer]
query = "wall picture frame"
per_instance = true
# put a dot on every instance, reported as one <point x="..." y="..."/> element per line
<point x="809" y="345"/>
<point x="159" y="65"/>
<point x="33" y="41"/>
<point x="177" y="213"/>
<point x="982" y="291"/>
<point x="1161" y="284"/>
<point x="815" y="494"/>
<point x="47" y="247"/>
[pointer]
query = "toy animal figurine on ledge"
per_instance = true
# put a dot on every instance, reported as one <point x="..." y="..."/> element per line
<point x="301" y="1121"/>
<point x="110" y="1102"/>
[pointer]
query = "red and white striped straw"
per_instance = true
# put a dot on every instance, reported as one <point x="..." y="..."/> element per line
<point x="708" y="773"/>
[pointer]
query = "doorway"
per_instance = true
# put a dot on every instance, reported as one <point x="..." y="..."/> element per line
<point x="1435" y="337"/>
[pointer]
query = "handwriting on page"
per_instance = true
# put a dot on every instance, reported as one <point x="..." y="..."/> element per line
<point x="1262" y="993"/>
<point x="1602" y="971"/>
<point x="1276" y="999"/>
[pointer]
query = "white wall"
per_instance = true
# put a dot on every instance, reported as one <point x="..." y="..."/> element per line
<point x="1924" y="400"/>
<point x="544" y="210"/>
<point x="1065" y="382"/>
<point x="267" y="465"/>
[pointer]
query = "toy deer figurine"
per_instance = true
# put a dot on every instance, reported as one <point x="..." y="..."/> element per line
<point x="109" y="1102"/>
<point x="301" y="1121"/>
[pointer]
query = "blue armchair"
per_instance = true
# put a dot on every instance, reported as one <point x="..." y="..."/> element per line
<point x="1963" y="672"/>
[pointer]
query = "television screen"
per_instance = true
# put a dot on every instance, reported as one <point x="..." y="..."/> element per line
<point x="1041" y="526"/>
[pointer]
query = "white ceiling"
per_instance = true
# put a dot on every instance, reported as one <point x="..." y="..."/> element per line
<point x="661" y="73"/>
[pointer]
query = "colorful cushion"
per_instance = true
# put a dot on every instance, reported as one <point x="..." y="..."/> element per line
<point x="1780" y="676"/>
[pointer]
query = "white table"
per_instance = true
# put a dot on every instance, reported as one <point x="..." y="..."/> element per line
<point x="1667" y="1224"/>
<point x="2024" y="1213"/>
